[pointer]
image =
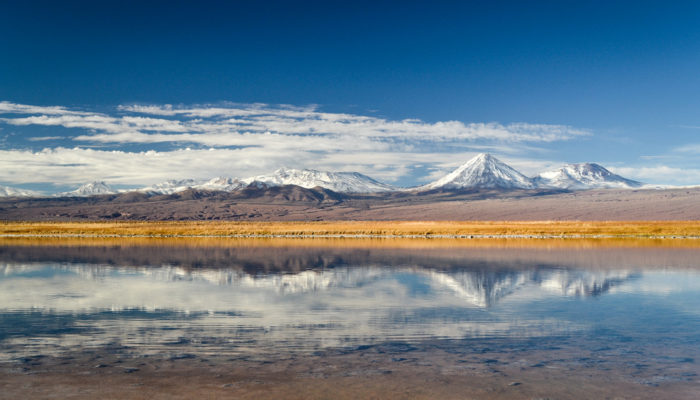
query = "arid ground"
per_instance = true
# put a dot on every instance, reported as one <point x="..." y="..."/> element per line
<point x="292" y="203"/>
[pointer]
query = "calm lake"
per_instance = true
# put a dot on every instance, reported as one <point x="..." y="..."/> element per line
<point x="390" y="317"/>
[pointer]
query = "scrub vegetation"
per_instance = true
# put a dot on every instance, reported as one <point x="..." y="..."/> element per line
<point x="361" y="228"/>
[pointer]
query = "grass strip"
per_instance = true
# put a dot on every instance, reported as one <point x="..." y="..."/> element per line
<point x="639" y="229"/>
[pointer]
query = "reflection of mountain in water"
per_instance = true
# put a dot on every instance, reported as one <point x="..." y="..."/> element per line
<point x="479" y="287"/>
<point x="580" y="283"/>
<point x="486" y="288"/>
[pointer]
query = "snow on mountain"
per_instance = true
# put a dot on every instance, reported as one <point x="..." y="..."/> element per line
<point x="7" y="191"/>
<point x="479" y="289"/>
<point x="583" y="176"/>
<point x="582" y="282"/>
<point x="486" y="171"/>
<point x="483" y="171"/>
<point x="89" y="189"/>
<point x="221" y="184"/>
<point x="348" y="182"/>
<point x="172" y="186"/>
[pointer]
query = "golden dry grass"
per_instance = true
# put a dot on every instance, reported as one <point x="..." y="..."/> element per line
<point x="639" y="229"/>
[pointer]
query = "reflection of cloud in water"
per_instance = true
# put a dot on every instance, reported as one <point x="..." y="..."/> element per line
<point x="481" y="288"/>
<point x="215" y="310"/>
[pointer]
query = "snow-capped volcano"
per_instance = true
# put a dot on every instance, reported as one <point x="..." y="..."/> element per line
<point x="347" y="182"/>
<point x="90" y="189"/>
<point x="7" y="191"/>
<point x="483" y="171"/>
<point x="583" y="176"/>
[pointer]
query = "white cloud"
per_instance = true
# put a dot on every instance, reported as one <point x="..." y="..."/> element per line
<point x="250" y="139"/>
<point x="660" y="174"/>
<point x="78" y="165"/>
<point x="95" y="121"/>
<point x="259" y="118"/>
<point x="693" y="148"/>
<point x="12" y="108"/>
<point x="44" y="138"/>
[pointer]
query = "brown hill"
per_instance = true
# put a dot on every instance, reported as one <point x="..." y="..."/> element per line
<point x="294" y="203"/>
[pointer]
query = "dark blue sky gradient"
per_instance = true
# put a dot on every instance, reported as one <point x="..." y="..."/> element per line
<point x="593" y="64"/>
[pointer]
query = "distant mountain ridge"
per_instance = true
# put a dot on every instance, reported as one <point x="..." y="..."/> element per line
<point x="484" y="171"/>
<point x="344" y="182"/>
<point x="583" y="176"/>
<point x="170" y="186"/>
<point x="7" y="191"/>
<point x="221" y="183"/>
<point x="89" y="189"/>
<point x="487" y="172"/>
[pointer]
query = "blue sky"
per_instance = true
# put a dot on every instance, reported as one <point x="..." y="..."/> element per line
<point x="402" y="91"/>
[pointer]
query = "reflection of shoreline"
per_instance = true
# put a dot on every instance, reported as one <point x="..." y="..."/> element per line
<point x="584" y="236"/>
<point x="346" y="241"/>
<point x="271" y="256"/>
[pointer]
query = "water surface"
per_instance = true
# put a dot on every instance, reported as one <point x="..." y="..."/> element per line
<point x="478" y="308"/>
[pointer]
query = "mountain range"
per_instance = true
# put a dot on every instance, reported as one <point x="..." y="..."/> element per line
<point x="6" y="191"/>
<point x="481" y="172"/>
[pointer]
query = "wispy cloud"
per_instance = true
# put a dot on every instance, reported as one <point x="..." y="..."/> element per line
<point x="248" y="139"/>
<point x="13" y="108"/>
<point x="45" y="138"/>
<point x="693" y="148"/>
<point x="661" y="173"/>
<point x="78" y="165"/>
<point x="202" y="122"/>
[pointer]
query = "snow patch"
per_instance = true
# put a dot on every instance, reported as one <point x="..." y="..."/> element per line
<point x="584" y="176"/>
<point x="344" y="182"/>
<point x="89" y="189"/>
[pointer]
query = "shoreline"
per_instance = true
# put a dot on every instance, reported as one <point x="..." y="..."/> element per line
<point x="358" y="229"/>
<point x="352" y="236"/>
